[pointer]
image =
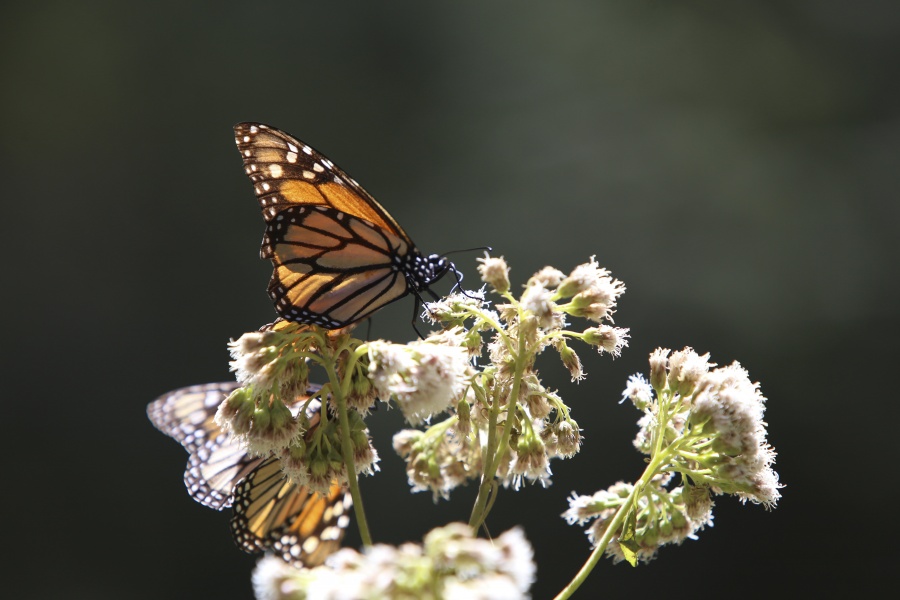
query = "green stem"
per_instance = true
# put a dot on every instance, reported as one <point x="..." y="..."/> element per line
<point x="495" y="325"/>
<point x="488" y="459"/>
<point x="340" y="398"/>
<point x="495" y="452"/>
<point x="611" y="530"/>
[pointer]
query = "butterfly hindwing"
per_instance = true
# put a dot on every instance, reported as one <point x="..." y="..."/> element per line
<point x="215" y="468"/>
<point x="217" y="462"/>
<point x="273" y="514"/>
<point x="330" y="268"/>
<point x="269" y="512"/>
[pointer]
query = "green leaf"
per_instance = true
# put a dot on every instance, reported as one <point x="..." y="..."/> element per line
<point x="626" y="541"/>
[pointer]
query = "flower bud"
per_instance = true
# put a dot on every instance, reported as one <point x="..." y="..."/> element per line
<point x="536" y="300"/>
<point x="235" y="413"/>
<point x="362" y="394"/>
<point x="495" y="272"/>
<point x="570" y="360"/>
<point x="659" y="362"/>
<point x="568" y="438"/>
<point x="464" y="417"/>
<point x="607" y="339"/>
<point x="686" y="367"/>
<point x="639" y="392"/>
<point x="547" y="277"/>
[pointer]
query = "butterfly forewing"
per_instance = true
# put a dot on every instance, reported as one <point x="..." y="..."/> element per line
<point x="337" y="255"/>
<point x="286" y="171"/>
<point x="186" y="414"/>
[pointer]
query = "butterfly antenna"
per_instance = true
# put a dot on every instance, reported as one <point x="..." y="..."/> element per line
<point x="485" y="248"/>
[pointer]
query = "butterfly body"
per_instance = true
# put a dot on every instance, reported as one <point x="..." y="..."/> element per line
<point x="270" y="513"/>
<point x="337" y="255"/>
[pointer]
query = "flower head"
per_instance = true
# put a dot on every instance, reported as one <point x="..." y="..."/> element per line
<point x="314" y="459"/>
<point x="450" y="563"/>
<point x="639" y="392"/>
<point x="438" y="460"/>
<point x="495" y="272"/>
<point x="260" y="424"/>
<point x="686" y="367"/>
<point x="607" y="339"/>
<point x="729" y="408"/>
<point x="424" y="376"/>
<point x="548" y="277"/>
<point x="662" y="517"/>
<point x="538" y="301"/>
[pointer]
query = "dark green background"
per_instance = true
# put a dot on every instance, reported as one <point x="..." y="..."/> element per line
<point x="735" y="164"/>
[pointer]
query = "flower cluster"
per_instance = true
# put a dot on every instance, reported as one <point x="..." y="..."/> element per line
<point x="424" y="377"/>
<point x="662" y="517"/>
<point x="478" y="409"/>
<point x="451" y="564"/>
<point x="701" y="422"/>
<point x="315" y="460"/>
<point x="278" y="412"/>
<point x="503" y="422"/>
<point x="714" y="430"/>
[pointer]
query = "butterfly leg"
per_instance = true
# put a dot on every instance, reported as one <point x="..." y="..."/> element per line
<point x="459" y="278"/>
<point x="420" y="302"/>
<point x="415" y="316"/>
<point x="458" y="285"/>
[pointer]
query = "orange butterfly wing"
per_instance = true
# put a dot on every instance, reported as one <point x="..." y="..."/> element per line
<point x="270" y="513"/>
<point x="286" y="171"/>
<point x="337" y="255"/>
<point x="273" y="514"/>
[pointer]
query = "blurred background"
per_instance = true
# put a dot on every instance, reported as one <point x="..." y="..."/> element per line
<point x="736" y="165"/>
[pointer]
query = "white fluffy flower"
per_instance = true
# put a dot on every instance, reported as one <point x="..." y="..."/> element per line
<point x="451" y="563"/>
<point x="424" y="376"/>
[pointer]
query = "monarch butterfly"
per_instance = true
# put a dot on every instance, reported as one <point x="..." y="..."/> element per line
<point x="338" y="256"/>
<point x="269" y="512"/>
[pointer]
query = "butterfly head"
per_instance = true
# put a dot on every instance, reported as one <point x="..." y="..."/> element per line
<point x="440" y="266"/>
<point x="426" y="270"/>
